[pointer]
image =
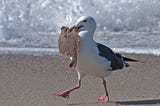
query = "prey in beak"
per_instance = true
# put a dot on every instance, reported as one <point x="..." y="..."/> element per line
<point x="75" y="28"/>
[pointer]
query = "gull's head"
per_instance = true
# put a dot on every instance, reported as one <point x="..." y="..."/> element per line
<point x="86" y="23"/>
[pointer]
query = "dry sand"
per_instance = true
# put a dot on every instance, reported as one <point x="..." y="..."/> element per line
<point x="27" y="80"/>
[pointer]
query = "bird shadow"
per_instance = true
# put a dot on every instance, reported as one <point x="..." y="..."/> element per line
<point x="138" y="102"/>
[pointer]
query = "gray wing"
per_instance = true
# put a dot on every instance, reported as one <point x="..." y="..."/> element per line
<point x="116" y="59"/>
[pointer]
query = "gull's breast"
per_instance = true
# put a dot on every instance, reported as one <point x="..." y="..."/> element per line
<point x="89" y="62"/>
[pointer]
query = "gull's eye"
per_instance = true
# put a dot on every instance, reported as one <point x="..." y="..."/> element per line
<point x="85" y="21"/>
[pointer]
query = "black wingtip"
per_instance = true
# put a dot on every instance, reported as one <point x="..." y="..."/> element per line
<point x="129" y="59"/>
<point x="132" y="60"/>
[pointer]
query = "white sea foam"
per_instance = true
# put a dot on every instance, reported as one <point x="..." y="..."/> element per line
<point x="29" y="51"/>
<point x="120" y="23"/>
<point x="53" y="51"/>
<point x="138" y="51"/>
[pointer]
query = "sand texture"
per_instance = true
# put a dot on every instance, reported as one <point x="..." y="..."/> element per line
<point x="27" y="80"/>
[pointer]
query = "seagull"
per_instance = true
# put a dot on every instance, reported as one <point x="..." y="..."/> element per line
<point x="93" y="58"/>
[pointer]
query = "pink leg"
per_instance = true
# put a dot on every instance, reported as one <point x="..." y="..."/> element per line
<point x="105" y="97"/>
<point x="65" y="94"/>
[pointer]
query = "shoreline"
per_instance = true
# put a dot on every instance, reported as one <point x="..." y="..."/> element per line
<point x="32" y="80"/>
<point x="50" y="51"/>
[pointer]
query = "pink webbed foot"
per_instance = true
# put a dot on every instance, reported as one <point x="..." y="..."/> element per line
<point x="64" y="94"/>
<point x="103" y="99"/>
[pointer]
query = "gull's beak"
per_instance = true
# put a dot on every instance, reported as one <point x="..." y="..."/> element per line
<point x="75" y="27"/>
<point x="78" y="27"/>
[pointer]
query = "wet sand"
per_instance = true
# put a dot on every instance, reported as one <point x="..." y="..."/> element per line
<point x="27" y="80"/>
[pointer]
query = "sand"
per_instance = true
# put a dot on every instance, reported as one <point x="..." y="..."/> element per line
<point x="27" y="80"/>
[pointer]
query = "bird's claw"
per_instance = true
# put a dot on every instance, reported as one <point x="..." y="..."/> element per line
<point x="103" y="99"/>
<point x="63" y="94"/>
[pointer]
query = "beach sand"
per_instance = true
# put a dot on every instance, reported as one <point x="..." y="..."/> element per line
<point x="27" y="80"/>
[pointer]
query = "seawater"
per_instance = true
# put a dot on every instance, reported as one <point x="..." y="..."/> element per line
<point x="124" y="25"/>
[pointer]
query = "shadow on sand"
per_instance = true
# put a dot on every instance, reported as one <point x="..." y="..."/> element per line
<point x="140" y="102"/>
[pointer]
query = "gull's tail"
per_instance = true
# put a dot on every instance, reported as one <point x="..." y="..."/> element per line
<point x="129" y="59"/>
<point x="126" y="58"/>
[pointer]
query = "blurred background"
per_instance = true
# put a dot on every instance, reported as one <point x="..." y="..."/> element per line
<point x="121" y="24"/>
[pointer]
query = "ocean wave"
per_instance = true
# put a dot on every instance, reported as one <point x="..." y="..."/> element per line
<point x="120" y="23"/>
<point x="55" y="51"/>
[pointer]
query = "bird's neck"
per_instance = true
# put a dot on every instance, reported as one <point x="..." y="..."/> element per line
<point x="86" y="36"/>
<point x="86" y="39"/>
<point x="87" y="45"/>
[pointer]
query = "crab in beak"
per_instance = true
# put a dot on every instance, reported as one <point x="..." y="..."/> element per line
<point x="75" y="28"/>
